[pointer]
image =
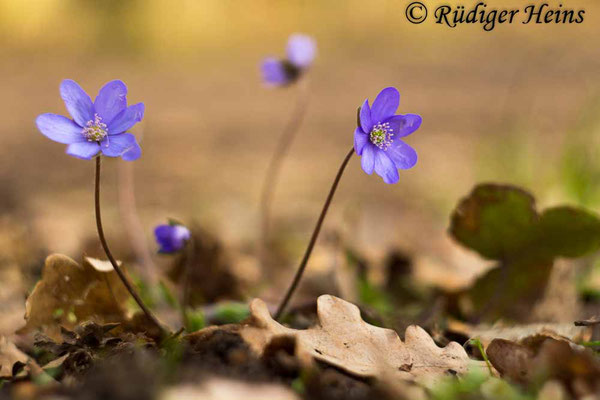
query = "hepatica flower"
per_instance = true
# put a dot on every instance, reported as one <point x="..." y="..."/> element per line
<point x="99" y="126"/>
<point x="377" y="139"/>
<point x="301" y="51"/>
<point x="171" y="238"/>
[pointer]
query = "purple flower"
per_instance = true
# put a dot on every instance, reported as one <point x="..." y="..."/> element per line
<point x="301" y="51"/>
<point x="97" y="126"/>
<point x="171" y="238"/>
<point x="377" y="137"/>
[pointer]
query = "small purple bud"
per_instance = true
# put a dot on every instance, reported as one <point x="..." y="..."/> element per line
<point x="300" y="54"/>
<point x="171" y="238"/>
<point x="277" y="72"/>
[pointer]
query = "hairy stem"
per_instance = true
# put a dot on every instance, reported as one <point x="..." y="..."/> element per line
<point x="314" y="237"/>
<point x="112" y="260"/>
<point x="283" y="145"/>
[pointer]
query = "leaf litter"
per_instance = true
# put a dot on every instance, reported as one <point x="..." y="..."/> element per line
<point x="87" y="340"/>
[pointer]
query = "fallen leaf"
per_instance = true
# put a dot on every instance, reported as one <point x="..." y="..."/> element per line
<point x="588" y="322"/>
<point x="487" y="333"/>
<point x="541" y="359"/>
<point x="511" y="360"/>
<point x="70" y="293"/>
<point x="344" y="340"/>
<point x="101" y="265"/>
<point x="9" y="355"/>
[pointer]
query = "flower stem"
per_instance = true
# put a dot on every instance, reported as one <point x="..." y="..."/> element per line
<point x="112" y="260"/>
<point x="314" y="237"/>
<point x="283" y="145"/>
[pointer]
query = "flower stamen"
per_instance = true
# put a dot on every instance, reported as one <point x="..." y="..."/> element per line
<point x="382" y="135"/>
<point x="95" y="130"/>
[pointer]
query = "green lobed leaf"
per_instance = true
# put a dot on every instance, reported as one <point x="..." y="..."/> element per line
<point x="568" y="232"/>
<point x="495" y="220"/>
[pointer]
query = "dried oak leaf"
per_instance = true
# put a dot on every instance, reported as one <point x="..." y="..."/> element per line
<point x="344" y="340"/>
<point x="70" y="293"/>
<point x="9" y="355"/>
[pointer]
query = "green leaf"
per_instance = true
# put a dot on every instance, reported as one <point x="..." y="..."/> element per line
<point x="232" y="312"/>
<point x="501" y="223"/>
<point x="195" y="320"/>
<point x="568" y="232"/>
<point x="495" y="220"/>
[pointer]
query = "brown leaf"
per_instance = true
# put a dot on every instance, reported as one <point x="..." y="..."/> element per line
<point x="538" y="359"/>
<point x="101" y="265"/>
<point x="511" y="359"/>
<point x="344" y="340"/>
<point x="577" y="368"/>
<point x="487" y="333"/>
<point x="69" y="293"/>
<point x="588" y="322"/>
<point x="9" y="355"/>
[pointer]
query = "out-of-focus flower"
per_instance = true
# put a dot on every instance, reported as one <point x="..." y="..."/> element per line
<point x="377" y="137"/>
<point x="300" y="53"/>
<point x="96" y="126"/>
<point x="171" y="238"/>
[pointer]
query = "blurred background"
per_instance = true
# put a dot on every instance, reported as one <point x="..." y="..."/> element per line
<point x="516" y="105"/>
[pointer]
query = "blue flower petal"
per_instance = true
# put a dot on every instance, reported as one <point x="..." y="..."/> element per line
<point x="133" y="153"/>
<point x="78" y="103"/>
<point x="111" y="100"/>
<point x="126" y="119"/>
<point x="403" y="156"/>
<point x="301" y="50"/>
<point x="365" y="117"/>
<point x="404" y="125"/>
<point x="84" y="150"/>
<point x="360" y="140"/>
<point x="274" y="72"/>
<point x="60" y="129"/>
<point x="119" y="145"/>
<point x="367" y="160"/>
<point x="385" y="168"/>
<point x="385" y="105"/>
